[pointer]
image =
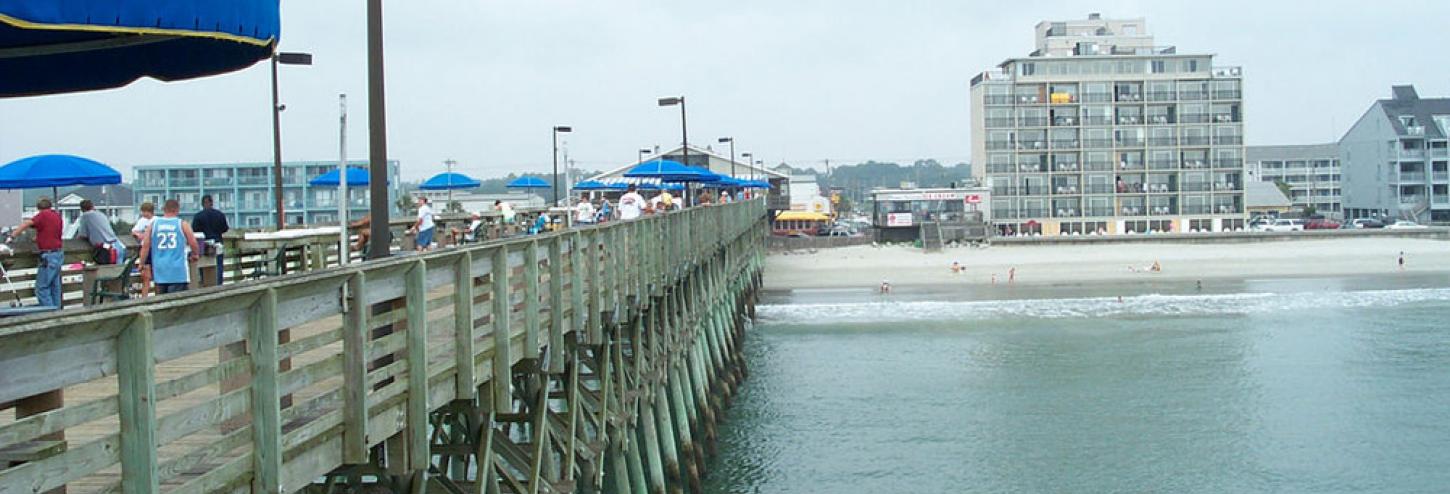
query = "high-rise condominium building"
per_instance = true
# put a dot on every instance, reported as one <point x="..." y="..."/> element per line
<point x="1100" y="130"/>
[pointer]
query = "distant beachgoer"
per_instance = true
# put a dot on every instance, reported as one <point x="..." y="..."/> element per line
<point x="994" y="278"/>
<point x="1120" y="299"/>
<point x="1402" y="260"/>
<point x="885" y="287"/>
<point x="956" y="267"/>
<point x="1200" y="285"/>
<point x="1012" y="275"/>
<point x="1157" y="268"/>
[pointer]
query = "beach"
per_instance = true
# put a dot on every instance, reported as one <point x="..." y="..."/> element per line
<point x="868" y="266"/>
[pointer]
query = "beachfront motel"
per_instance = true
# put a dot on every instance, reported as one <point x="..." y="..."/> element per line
<point x="1101" y="131"/>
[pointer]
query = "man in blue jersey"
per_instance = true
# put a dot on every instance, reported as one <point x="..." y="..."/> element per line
<point x="169" y="247"/>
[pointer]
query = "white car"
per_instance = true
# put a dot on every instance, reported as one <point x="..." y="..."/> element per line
<point x="1283" y="225"/>
<point x="1405" y="225"/>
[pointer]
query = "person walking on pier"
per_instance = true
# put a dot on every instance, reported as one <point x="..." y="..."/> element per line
<point x="48" y="226"/>
<point x="148" y="215"/>
<point x="169" y="248"/>
<point x="212" y="224"/>
<point x="584" y="211"/>
<point x="631" y="204"/>
<point x="424" y="227"/>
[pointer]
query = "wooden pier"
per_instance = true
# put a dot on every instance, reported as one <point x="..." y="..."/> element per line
<point x="596" y="359"/>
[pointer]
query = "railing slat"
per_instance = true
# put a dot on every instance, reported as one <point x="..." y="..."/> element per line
<point x="266" y="404"/>
<point x="136" y="374"/>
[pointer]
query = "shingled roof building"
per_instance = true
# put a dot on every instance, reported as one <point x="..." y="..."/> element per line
<point x="1394" y="160"/>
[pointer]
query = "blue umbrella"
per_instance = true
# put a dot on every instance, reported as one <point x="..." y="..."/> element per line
<point x="56" y="170"/>
<point x="83" y="45"/>
<point x="449" y="181"/>
<point x="757" y="184"/>
<point x="616" y="186"/>
<point x="590" y="185"/>
<point x="694" y="175"/>
<point x="355" y="177"/>
<point x="527" y="182"/>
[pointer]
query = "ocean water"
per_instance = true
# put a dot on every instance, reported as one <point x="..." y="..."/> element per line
<point x="1287" y="386"/>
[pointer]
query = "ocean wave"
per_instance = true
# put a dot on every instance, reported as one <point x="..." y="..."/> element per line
<point x="1102" y="307"/>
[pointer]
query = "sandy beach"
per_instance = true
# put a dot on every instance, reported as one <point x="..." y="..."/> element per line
<point x="868" y="266"/>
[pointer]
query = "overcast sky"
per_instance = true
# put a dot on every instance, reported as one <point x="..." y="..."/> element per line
<point x="482" y="81"/>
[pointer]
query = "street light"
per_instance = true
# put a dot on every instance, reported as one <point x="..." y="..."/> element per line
<point x="642" y="153"/>
<point x="684" y="128"/>
<point x="280" y="58"/>
<point x="747" y="157"/>
<point x="558" y="130"/>
<point x="730" y="140"/>
<point x="378" y="203"/>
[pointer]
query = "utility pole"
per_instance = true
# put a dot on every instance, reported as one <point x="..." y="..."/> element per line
<point x="343" y="204"/>
<point x="380" y="238"/>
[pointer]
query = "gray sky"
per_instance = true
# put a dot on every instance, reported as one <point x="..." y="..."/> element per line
<point x="796" y="80"/>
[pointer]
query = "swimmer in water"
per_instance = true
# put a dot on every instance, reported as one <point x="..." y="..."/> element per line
<point x="885" y="287"/>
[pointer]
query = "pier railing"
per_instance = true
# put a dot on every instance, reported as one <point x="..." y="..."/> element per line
<point x="264" y="386"/>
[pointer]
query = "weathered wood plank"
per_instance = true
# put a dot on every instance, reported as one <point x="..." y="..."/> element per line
<point x="531" y="300"/>
<point x="417" y="437"/>
<point x="463" y="326"/>
<point x="557" y="304"/>
<point x="137" y="384"/>
<point x="266" y="398"/>
<point x="502" y="359"/>
<point x="355" y="368"/>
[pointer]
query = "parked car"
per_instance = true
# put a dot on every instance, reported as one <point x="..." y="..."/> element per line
<point x="1367" y="223"/>
<point x="1321" y="224"/>
<point x="1283" y="225"/>
<point x="1405" y="225"/>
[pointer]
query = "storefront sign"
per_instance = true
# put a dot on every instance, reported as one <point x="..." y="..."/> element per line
<point x="898" y="219"/>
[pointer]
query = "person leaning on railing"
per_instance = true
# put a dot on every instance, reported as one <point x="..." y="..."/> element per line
<point x="48" y="226"/>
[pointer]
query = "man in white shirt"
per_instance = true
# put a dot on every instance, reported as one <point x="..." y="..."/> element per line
<point x="584" y="211"/>
<point x="630" y="204"/>
<point x="424" y="226"/>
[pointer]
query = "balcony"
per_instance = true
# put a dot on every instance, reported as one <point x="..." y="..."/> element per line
<point x="151" y="182"/>
<point x="1068" y="212"/>
<point x="1065" y="167"/>
<point x="217" y="181"/>
<point x="1029" y="100"/>
<point x="1160" y="119"/>
<point x="1412" y="198"/>
<point x="1097" y="97"/>
<point x="1032" y="213"/>
<point x="1064" y="144"/>
<point x="1412" y="153"/>
<point x="1099" y="212"/>
<point x="1129" y="97"/>
<point x="999" y="122"/>
<point x="1097" y="143"/>
<point x="1130" y="120"/>
<point x="1098" y="189"/>
<point x="1130" y="142"/>
<point x="254" y="180"/>
<point x="1130" y="165"/>
<point x="1162" y="164"/>
<point x="1442" y="177"/>
<point x="1228" y="140"/>
<point x="1194" y="140"/>
<point x="1032" y="144"/>
<point x="1032" y="121"/>
<point x="1438" y="152"/>
<point x="1228" y="163"/>
<point x="1162" y="141"/>
<point x="1228" y="94"/>
<point x="1132" y="211"/>
<point x="1033" y="190"/>
<point x="1441" y="199"/>
<point x="1226" y="187"/>
<point x="1193" y="95"/>
<point x="1197" y="209"/>
<point x="998" y="99"/>
<point x="1193" y="118"/>
<point x="1065" y="189"/>
<point x="1195" y="163"/>
<point x="1161" y="96"/>
<point x="183" y="182"/>
<point x="1030" y="168"/>
<point x="1003" y="191"/>
<point x="1097" y="120"/>
<point x="1161" y="188"/>
<point x="1000" y="168"/>
<point x="1064" y="122"/>
<point x="1196" y="186"/>
<point x="1161" y="210"/>
<point x="1412" y="177"/>
<point x="1227" y="209"/>
<point x="1225" y="118"/>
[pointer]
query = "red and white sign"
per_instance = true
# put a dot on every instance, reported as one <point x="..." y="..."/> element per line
<point x="972" y="199"/>
<point x="898" y="219"/>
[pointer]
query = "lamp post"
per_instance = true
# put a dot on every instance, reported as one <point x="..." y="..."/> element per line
<point x="642" y="153"/>
<point x="378" y="238"/>
<point x="747" y="157"/>
<point x="281" y="58"/>
<point x="684" y="127"/>
<point x="730" y="140"/>
<point x="557" y="130"/>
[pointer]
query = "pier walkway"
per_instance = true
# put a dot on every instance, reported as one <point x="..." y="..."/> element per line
<point x="595" y="359"/>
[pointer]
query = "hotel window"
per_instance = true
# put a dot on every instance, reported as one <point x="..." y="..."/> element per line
<point x="1028" y="68"/>
<point x="1159" y="67"/>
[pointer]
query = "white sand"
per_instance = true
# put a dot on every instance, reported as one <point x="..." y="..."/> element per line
<point x="868" y="266"/>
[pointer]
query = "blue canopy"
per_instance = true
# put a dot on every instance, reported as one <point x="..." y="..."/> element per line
<point x="55" y="170"/>
<point x="757" y="184"/>
<point x="62" y="46"/>
<point x="450" y="181"/>
<point x="590" y="185"/>
<point x="726" y="183"/>
<point x="616" y="186"/>
<point x="694" y="174"/>
<point x="661" y="169"/>
<point x="528" y="182"/>
<point x="355" y="177"/>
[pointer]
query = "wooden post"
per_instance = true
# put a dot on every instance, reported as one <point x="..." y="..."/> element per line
<point x="502" y="351"/>
<point x="531" y="300"/>
<point x="417" y="429"/>
<point x="466" y="381"/>
<point x="355" y="337"/>
<point x="266" y="403"/>
<point x="557" y="304"/>
<point x="135" y="370"/>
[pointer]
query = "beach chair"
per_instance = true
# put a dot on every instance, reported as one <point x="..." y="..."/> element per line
<point x="100" y="293"/>
<point x="272" y="266"/>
